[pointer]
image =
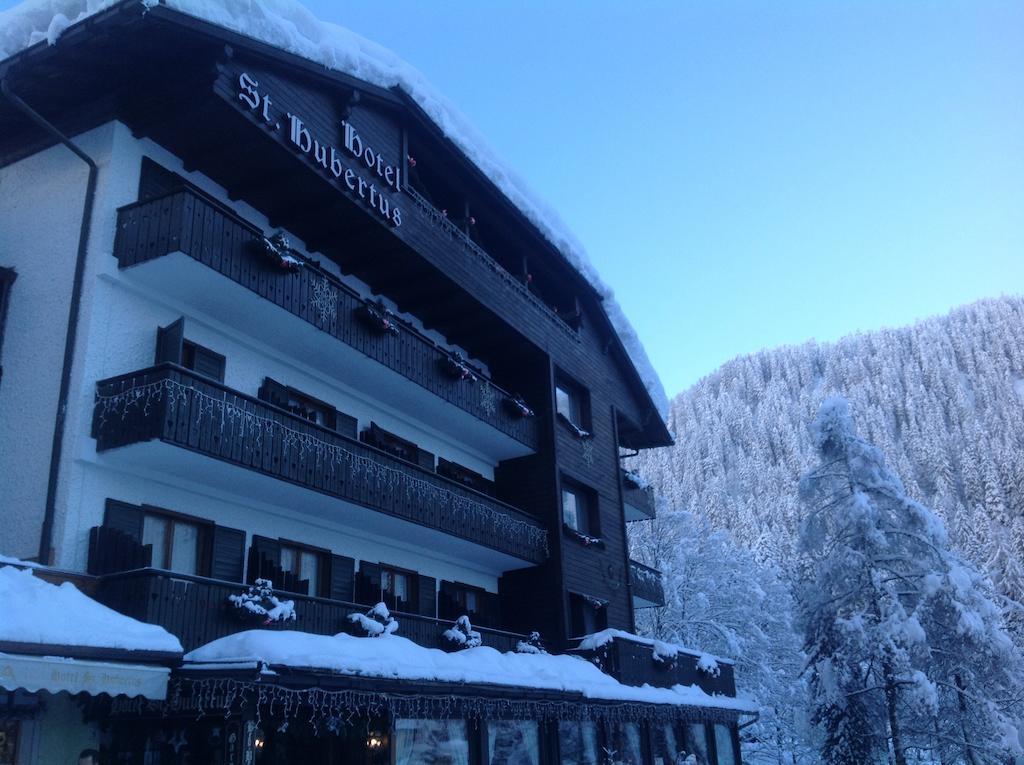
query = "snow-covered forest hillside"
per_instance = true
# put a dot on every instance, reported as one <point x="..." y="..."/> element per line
<point x="943" y="399"/>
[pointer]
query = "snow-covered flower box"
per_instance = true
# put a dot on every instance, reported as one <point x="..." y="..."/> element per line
<point x="517" y="406"/>
<point x="457" y="368"/>
<point x="583" y="539"/>
<point x="277" y="251"/>
<point x="377" y="317"/>
<point x="377" y="622"/>
<point x="461" y="634"/>
<point x="260" y="603"/>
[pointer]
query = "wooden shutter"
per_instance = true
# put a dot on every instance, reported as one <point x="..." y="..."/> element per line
<point x="426" y="594"/>
<point x="208" y="363"/>
<point x="227" y="555"/>
<point x="273" y="393"/>
<point x="368" y="583"/>
<point x="347" y="425"/>
<point x="125" y="518"/>
<point x="342" y="582"/>
<point x="425" y="459"/>
<point x="447" y="605"/>
<point x="488" y="614"/>
<point x="264" y="559"/>
<point x="169" y="342"/>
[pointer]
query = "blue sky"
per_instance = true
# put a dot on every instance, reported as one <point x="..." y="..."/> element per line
<point x="748" y="174"/>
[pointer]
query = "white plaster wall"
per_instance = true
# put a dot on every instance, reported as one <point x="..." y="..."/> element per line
<point x="41" y="201"/>
<point x="117" y="333"/>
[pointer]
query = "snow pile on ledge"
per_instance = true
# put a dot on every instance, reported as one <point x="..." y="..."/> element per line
<point x="665" y="650"/>
<point x="398" y="658"/>
<point x="289" y="25"/>
<point x="35" y="611"/>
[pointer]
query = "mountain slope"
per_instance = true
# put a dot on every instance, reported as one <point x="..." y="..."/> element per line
<point x="943" y="399"/>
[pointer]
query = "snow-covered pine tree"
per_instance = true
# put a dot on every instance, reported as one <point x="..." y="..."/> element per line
<point x="902" y="635"/>
<point x="720" y="600"/>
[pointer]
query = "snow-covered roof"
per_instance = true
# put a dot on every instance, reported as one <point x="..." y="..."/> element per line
<point x="35" y="611"/>
<point x="290" y="26"/>
<point x="398" y="658"/>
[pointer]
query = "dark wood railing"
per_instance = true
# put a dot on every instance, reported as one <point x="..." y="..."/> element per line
<point x="646" y="583"/>
<point x="634" y="663"/>
<point x="198" y="226"/>
<point x="179" y="407"/>
<point x="197" y="610"/>
<point x="640" y="499"/>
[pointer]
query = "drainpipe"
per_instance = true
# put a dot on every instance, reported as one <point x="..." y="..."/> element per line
<point x="60" y="421"/>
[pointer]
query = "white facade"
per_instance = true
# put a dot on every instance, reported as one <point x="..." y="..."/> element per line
<point x="120" y="312"/>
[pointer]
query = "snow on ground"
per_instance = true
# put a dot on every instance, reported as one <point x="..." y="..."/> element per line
<point x="35" y="611"/>
<point x="399" y="658"/>
<point x="289" y="25"/>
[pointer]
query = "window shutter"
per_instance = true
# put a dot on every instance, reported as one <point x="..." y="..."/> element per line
<point x="489" y="614"/>
<point x="227" y="554"/>
<point x="273" y="393"/>
<point x="347" y="425"/>
<point x="209" y="364"/>
<point x="342" y="582"/>
<point x="446" y="604"/>
<point x="264" y="559"/>
<point x="425" y="459"/>
<point x="125" y="518"/>
<point x="368" y="583"/>
<point x="427" y="596"/>
<point x="169" y="341"/>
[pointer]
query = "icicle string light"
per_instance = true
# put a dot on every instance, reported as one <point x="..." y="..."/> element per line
<point x="331" y="708"/>
<point x="234" y="419"/>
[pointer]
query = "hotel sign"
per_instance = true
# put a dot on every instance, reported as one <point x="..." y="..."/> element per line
<point x="55" y="674"/>
<point x="354" y="165"/>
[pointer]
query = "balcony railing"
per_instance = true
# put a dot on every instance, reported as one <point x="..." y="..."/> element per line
<point x="199" y="227"/>
<point x="511" y="284"/>
<point x="197" y="610"/>
<point x="646" y="584"/>
<point x="638" y="499"/>
<point x="638" y="663"/>
<point x="178" y="407"/>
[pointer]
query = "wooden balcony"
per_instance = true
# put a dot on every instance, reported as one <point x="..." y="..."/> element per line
<point x="197" y="610"/>
<point x="175" y="406"/>
<point x="200" y="228"/>
<point x="646" y="586"/>
<point x="638" y="500"/>
<point x="636" y="663"/>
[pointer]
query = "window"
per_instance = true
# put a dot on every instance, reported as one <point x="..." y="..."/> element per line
<point x="577" y="742"/>
<point x="626" y="742"/>
<point x="512" y="742"/>
<point x="173" y="348"/>
<point x="303" y="563"/>
<point x="396" y="589"/>
<point x="479" y="605"/>
<point x="697" y="743"/>
<point x="579" y="509"/>
<point x="572" y="403"/>
<point x="587" y="615"/>
<point x="725" y="744"/>
<point x="175" y="541"/>
<point x="303" y="405"/>
<point x="7" y="277"/>
<point x="431" y="742"/>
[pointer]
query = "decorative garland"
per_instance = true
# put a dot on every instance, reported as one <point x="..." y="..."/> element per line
<point x="324" y="300"/>
<point x="332" y="709"/>
<point x="583" y="539"/>
<point x="457" y="368"/>
<point x="331" y="456"/>
<point x="517" y="405"/>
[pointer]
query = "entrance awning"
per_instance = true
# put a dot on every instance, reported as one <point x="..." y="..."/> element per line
<point x="55" y="674"/>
